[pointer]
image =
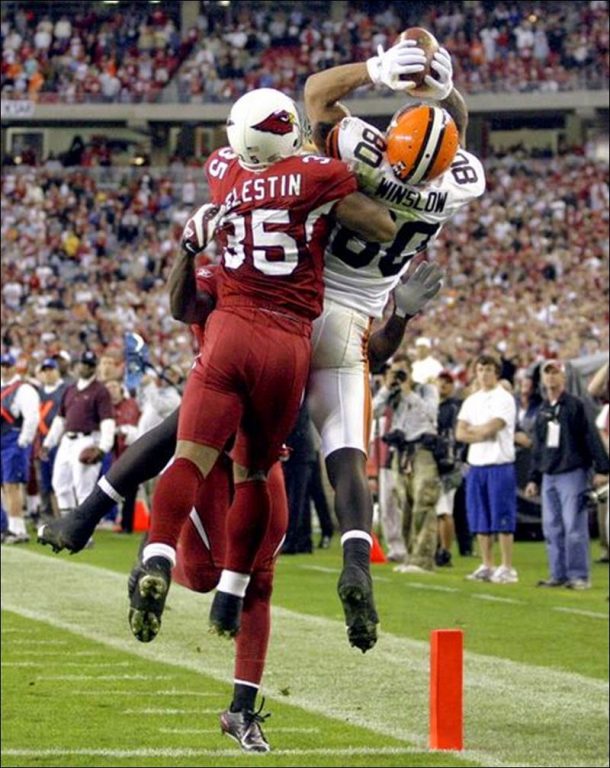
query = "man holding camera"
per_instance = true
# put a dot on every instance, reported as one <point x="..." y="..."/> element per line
<point x="413" y="440"/>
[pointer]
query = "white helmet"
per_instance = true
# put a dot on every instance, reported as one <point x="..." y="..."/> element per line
<point x="263" y="127"/>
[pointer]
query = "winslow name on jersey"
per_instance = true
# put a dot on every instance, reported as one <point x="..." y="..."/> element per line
<point x="361" y="275"/>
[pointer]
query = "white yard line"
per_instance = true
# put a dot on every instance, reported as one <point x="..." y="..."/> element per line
<point x="580" y="612"/>
<point x="152" y="694"/>
<point x="76" y="678"/>
<point x="338" y="681"/>
<point x="431" y="587"/>
<point x="268" y="729"/>
<point x="177" y="753"/>
<point x="495" y="599"/>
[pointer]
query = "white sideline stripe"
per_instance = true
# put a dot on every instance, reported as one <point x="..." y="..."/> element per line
<point x="78" y="664"/>
<point x="203" y="694"/>
<point x="268" y="729"/>
<point x="42" y="642"/>
<point x="431" y="587"/>
<point x="494" y="599"/>
<point x="91" y="603"/>
<point x="44" y="654"/>
<point x="170" y="711"/>
<point x="104" y="677"/>
<point x="186" y="752"/>
<point x="320" y="568"/>
<point x="580" y="612"/>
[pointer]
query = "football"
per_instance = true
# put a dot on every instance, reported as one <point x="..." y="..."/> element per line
<point x="429" y="44"/>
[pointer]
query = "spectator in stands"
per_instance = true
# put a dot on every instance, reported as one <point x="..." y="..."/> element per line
<point x="566" y="447"/>
<point x="486" y="422"/>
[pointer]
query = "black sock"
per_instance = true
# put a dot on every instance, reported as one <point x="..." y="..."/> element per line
<point x="95" y="506"/>
<point x="357" y="552"/>
<point x="244" y="697"/>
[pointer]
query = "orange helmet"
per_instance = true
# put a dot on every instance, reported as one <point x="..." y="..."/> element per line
<point x="422" y="142"/>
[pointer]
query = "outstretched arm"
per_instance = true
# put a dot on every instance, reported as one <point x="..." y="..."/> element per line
<point x="410" y="298"/>
<point x="323" y="90"/>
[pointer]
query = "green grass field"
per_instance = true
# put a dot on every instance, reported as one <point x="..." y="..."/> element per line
<point x="79" y="690"/>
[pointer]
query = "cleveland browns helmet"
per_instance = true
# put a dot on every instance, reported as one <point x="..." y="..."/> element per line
<point x="264" y="126"/>
<point x="421" y="143"/>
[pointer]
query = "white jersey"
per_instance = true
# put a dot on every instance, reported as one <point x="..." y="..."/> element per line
<point x="361" y="275"/>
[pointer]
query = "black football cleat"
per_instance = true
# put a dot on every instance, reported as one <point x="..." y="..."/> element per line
<point x="355" y="588"/>
<point x="245" y="727"/>
<point x="225" y="614"/>
<point x="72" y="532"/>
<point x="148" y="586"/>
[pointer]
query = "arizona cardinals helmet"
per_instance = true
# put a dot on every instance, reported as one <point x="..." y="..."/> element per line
<point x="263" y="127"/>
<point x="421" y="143"/>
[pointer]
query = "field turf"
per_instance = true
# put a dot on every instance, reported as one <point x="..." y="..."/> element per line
<point x="79" y="690"/>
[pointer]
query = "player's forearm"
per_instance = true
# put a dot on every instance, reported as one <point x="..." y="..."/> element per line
<point x="183" y="289"/>
<point x="323" y="90"/>
<point x="456" y="106"/>
<point x="384" y="342"/>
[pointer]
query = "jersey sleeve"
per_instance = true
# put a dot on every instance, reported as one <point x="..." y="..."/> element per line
<point x="217" y="171"/>
<point x="466" y="176"/>
<point x="329" y="181"/>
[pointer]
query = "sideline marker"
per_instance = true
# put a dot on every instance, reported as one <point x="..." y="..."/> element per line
<point x="377" y="553"/>
<point x="446" y="689"/>
<point x="141" y="516"/>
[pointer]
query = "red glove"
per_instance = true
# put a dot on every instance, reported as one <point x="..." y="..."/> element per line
<point x="91" y="455"/>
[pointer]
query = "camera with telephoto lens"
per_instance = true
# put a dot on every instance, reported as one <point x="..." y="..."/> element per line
<point x="598" y="495"/>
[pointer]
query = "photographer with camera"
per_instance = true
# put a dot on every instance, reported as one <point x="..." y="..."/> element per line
<point x="413" y="440"/>
<point x="448" y="459"/>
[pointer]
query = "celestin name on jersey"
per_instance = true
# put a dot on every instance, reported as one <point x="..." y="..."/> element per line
<point x="433" y="201"/>
<point x="266" y="188"/>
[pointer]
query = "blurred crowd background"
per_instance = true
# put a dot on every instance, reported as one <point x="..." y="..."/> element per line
<point x="144" y="53"/>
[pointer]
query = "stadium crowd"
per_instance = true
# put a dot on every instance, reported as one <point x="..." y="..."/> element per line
<point x="131" y="55"/>
<point x="527" y="265"/>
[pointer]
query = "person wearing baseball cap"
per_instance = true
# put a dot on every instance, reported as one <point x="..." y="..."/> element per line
<point x="19" y="406"/>
<point x="51" y="391"/>
<point x="84" y="429"/>
<point x="566" y="447"/>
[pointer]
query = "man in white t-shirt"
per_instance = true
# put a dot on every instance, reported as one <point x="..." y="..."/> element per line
<point x="486" y="422"/>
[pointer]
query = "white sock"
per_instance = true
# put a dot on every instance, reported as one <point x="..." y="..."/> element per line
<point x="17" y="525"/>
<point x="234" y="583"/>
<point x="32" y="503"/>
<point x="356" y="534"/>
<point x="107" y="488"/>
<point x="156" y="549"/>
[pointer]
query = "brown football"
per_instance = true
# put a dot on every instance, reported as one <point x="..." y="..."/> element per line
<point x="429" y="44"/>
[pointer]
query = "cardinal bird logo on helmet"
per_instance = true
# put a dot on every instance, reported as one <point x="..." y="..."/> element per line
<point x="279" y="122"/>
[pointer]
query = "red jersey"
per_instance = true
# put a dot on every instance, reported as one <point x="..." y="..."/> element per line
<point x="275" y="229"/>
<point x="206" y="279"/>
